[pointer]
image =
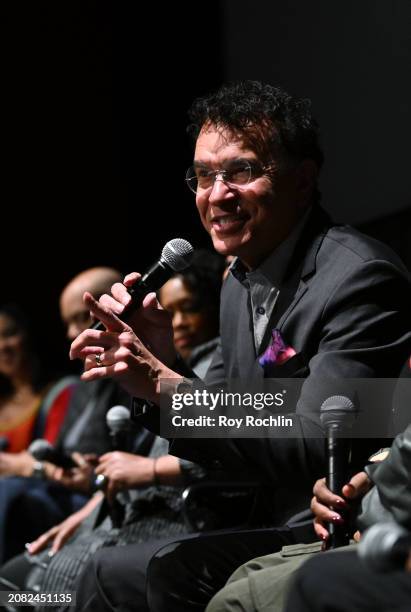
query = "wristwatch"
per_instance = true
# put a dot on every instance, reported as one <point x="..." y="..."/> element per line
<point x="38" y="470"/>
<point x="184" y="386"/>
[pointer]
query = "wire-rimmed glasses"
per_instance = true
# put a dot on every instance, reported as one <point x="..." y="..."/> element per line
<point x="236" y="174"/>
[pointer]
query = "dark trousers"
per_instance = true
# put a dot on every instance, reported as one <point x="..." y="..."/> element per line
<point x="28" y="507"/>
<point x="341" y="582"/>
<point x="182" y="576"/>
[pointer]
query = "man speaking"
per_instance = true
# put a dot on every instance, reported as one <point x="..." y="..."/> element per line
<point x="303" y="299"/>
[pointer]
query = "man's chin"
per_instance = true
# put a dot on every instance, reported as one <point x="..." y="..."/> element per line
<point x="230" y="245"/>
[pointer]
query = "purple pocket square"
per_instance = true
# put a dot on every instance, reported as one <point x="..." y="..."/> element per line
<point x="277" y="351"/>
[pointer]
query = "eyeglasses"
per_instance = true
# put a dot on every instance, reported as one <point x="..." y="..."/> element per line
<point x="237" y="174"/>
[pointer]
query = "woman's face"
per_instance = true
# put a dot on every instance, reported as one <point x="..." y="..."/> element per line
<point x="12" y="346"/>
<point x="192" y="323"/>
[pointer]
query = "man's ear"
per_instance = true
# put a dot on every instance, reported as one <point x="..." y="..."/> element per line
<point x="307" y="173"/>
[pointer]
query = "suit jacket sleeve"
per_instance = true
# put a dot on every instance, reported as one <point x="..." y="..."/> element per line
<point x="390" y="499"/>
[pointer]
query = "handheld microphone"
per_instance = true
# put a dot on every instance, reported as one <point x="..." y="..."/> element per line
<point x="175" y="256"/>
<point x="118" y="423"/>
<point x="4" y="444"/>
<point x="42" y="450"/>
<point x="337" y="415"/>
<point x="385" y="547"/>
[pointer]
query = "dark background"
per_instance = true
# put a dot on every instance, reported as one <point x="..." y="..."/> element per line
<point x="94" y="110"/>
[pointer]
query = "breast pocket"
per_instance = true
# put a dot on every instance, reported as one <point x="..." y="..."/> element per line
<point x="295" y="367"/>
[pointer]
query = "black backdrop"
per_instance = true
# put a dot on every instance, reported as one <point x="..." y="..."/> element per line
<point x="94" y="141"/>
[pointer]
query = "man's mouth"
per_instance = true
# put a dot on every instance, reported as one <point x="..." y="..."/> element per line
<point x="227" y="224"/>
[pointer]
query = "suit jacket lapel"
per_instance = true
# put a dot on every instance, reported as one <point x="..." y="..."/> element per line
<point x="301" y="267"/>
<point x="248" y="368"/>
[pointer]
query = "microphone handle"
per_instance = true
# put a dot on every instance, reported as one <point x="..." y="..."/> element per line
<point x="120" y="441"/>
<point x="117" y="513"/>
<point x="157" y="275"/>
<point x="337" y="450"/>
<point x="57" y="457"/>
<point x="65" y="461"/>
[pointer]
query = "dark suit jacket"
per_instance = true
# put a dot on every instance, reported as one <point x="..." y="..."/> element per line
<point x="84" y="428"/>
<point x="344" y="306"/>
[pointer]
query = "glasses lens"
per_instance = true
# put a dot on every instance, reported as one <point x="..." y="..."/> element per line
<point x="238" y="174"/>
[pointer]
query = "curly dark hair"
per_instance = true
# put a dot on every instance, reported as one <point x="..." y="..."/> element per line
<point x="268" y="119"/>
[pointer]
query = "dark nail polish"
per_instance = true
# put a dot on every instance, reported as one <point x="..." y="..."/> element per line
<point x="336" y="518"/>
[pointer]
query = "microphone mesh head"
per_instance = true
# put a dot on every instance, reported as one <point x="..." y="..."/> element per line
<point x="338" y="409"/>
<point x="177" y="254"/>
<point x="118" y="418"/>
<point x="39" y="448"/>
<point x="338" y="402"/>
<point x="39" y="445"/>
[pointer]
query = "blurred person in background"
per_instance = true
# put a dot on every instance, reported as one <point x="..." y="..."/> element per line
<point x="24" y="384"/>
<point x="72" y="418"/>
<point x="74" y="314"/>
<point x="193" y="298"/>
<point x="155" y="482"/>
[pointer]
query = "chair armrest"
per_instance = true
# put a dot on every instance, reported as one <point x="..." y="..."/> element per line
<point x="218" y="505"/>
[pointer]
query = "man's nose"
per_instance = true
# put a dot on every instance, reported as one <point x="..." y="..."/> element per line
<point x="220" y="191"/>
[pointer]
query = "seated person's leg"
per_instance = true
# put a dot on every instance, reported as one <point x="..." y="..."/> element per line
<point x="11" y="490"/>
<point x="185" y="575"/>
<point x="35" y="510"/>
<point x="233" y="597"/>
<point x="115" y="578"/>
<point x="341" y="582"/>
<point x="262" y="584"/>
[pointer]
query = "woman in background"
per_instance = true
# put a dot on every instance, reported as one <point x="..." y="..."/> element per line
<point x="193" y="298"/>
<point x="24" y="384"/>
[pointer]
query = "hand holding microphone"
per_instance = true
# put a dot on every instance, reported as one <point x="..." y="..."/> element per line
<point x="337" y="417"/>
<point x="328" y="507"/>
<point x="175" y="256"/>
<point x="42" y="450"/>
<point x="120" y="470"/>
<point x="151" y="323"/>
<point x="135" y="351"/>
<point x="118" y="423"/>
<point x="73" y="470"/>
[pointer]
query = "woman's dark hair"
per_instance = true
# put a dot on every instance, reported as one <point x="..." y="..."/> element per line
<point x="24" y="326"/>
<point x="204" y="278"/>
